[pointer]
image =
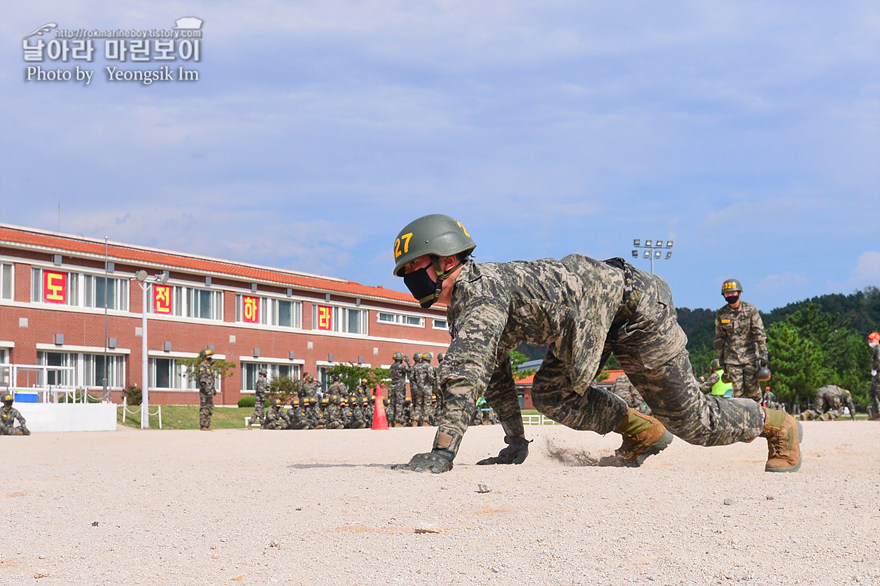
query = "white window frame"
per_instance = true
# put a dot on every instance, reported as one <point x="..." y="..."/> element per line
<point x="7" y="281"/>
<point x="84" y="374"/>
<point x="273" y="370"/>
<point x="436" y="326"/>
<point x="178" y="379"/>
<point x="400" y="319"/>
<point x="340" y="319"/>
<point x="82" y="289"/>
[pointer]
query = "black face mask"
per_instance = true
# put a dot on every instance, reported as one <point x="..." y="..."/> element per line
<point x="422" y="287"/>
<point x="732" y="299"/>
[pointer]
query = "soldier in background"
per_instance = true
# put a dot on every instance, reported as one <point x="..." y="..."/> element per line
<point x="584" y="310"/>
<point x="437" y="391"/>
<point x="740" y="342"/>
<point x="260" y="389"/>
<point x="363" y="389"/>
<point x="332" y="417"/>
<point x="9" y="415"/>
<point x="206" y="389"/>
<point x="337" y="387"/>
<point x="717" y="383"/>
<point x="626" y="391"/>
<point x="407" y="412"/>
<point x="421" y="385"/>
<point x="829" y="403"/>
<point x="397" y="391"/>
<point x="357" y="413"/>
<point x="770" y="400"/>
<point x="275" y="417"/>
<point x="296" y="417"/>
<point x="874" y="392"/>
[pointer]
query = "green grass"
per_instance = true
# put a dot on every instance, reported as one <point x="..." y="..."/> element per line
<point x="187" y="417"/>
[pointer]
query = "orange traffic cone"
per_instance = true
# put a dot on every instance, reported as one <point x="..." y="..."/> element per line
<point x="380" y="421"/>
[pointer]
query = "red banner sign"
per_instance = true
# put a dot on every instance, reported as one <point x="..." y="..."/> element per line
<point x="54" y="287"/>
<point x="250" y="309"/>
<point x="162" y="299"/>
<point x="325" y="318"/>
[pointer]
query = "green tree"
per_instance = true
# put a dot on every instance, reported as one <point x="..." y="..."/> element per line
<point x="220" y="367"/>
<point x="797" y="363"/>
<point x="515" y="360"/>
<point x="351" y="375"/>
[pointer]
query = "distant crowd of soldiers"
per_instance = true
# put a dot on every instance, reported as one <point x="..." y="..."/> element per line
<point x="339" y="408"/>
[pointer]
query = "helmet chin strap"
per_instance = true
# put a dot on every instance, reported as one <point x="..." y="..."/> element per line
<point x="441" y="276"/>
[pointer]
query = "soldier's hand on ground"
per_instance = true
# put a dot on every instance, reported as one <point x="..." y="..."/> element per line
<point x="515" y="453"/>
<point x="437" y="461"/>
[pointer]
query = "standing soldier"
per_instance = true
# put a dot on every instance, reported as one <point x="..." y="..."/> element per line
<point x="337" y="387"/>
<point x="260" y="389"/>
<point x="584" y="310"/>
<point x="874" y="393"/>
<point x="740" y="342"/>
<point x="421" y="386"/>
<point x="397" y="391"/>
<point x="9" y="415"/>
<point x="206" y="389"/>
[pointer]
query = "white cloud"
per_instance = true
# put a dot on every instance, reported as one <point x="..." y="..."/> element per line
<point x="866" y="272"/>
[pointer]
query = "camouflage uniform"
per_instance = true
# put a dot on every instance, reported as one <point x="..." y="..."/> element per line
<point x="421" y="385"/>
<point x="583" y="309"/>
<point x="357" y="415"/>
<point x="261" y="387"/>
<point x="309" y="388"/>
<point x="626" y="391"/>
<point x="332" y="417"/>
<point x="739" y="342"/>
<point x="206" y="394"/>
<point x="337" y="388"/>
<point x="275" y="418"/>
<point x="8" y="416"/>
<point x="830" y="400"/>
<point x="874" y="392"/>
<point x="397" y="392"/>
<point x="297" y="418"/>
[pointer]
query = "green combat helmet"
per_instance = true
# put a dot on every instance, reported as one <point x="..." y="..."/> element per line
<point x="427" y="356"/>
<point x="441" y="357"/>
<point x="435" y="235"/>
<point x="398" y="356"/>
<point x="206" y="353"/>
<point x="8" y="399"/>
<point x="731" y="285"/>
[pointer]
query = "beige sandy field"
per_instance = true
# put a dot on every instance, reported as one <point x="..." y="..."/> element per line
<point x="306" y="507"/>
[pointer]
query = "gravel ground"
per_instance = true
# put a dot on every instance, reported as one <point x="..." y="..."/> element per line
<point x="305" y="507"/>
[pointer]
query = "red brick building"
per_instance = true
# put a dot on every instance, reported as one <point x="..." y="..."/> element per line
<point x="54" y="288"/>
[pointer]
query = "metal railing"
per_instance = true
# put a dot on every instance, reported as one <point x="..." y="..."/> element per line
<point x="137" y="411"/>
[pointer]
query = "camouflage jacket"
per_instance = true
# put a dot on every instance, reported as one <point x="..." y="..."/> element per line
<point x="260" y="388"/>
<point x="739" y="335"/>
<point x="567" y="304"/>
<point x="206" y="378"/>
<point x="398" y="373"/>
<point x="338" y="388"/>
<point x="275" y="419"/>
<point x="875" y="359"/>
<point x="8" y="417"/>
<point x="833" y="397"/>
<point x="422" y="377"/>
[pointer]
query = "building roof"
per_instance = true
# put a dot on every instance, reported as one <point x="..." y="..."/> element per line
<point x="81" y="246"/>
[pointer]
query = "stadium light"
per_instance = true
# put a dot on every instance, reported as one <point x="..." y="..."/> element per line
<point x="652" y="250"/>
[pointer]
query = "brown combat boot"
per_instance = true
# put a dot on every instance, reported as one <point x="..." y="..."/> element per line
<point x="784" y="435"/>
<point x="643" y="436"/>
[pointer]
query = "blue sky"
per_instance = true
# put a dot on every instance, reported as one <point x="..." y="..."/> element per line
<point x="747" y="132"/>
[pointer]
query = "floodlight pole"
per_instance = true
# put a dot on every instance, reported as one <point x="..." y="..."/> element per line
<point x="145" y="360"/>
<point x="652" y="249"/>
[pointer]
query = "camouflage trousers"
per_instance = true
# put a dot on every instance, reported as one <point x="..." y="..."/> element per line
<point x="874" y="394"/>
<point x="396" y="404"/>
<point x="206" y="409"/>
<point x="640" y="334"/>
<point x="745" y="385"/>
<point x="259" y="409"/>
<point x="419" y="404"/>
